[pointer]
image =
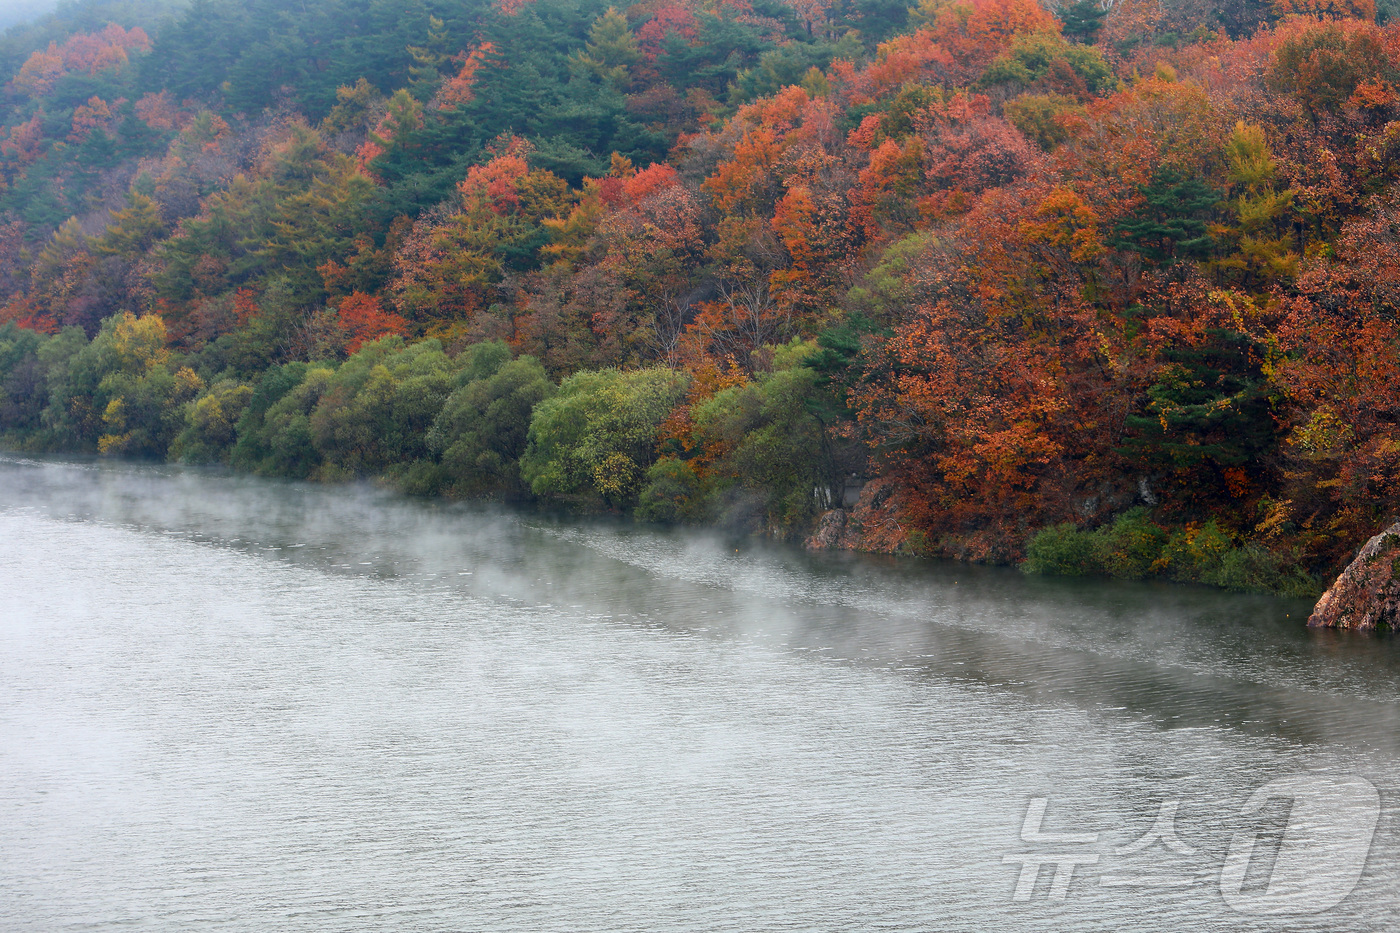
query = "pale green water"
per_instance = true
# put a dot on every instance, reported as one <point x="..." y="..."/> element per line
<point x="242" y="704"/>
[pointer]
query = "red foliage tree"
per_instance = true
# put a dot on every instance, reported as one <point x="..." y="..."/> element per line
<point x="671" y="18"/>
<point x="364" y="320"/>
<point x="1341" y="371"/>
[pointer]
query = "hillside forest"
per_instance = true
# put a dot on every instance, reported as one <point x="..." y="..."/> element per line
<point x="1105" y="286"/>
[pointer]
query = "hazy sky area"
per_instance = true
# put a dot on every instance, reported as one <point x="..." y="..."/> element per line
<point x="17" y="11"/>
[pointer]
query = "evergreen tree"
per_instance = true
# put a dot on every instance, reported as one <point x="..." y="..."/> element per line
<point x="611" y="51"/>
<point x="1209" y="408"/>
<point x="428" y="59"/>
<point x="1171" y="224"/>
<point x="1082" y="19"/>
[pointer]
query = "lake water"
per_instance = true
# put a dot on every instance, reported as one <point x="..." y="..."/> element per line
<point x="229" y="703"/>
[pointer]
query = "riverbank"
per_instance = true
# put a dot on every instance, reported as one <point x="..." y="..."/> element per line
<point x="769" y="453"/>
<point x="1133" y="548"/>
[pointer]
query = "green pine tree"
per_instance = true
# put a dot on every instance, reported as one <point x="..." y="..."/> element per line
<point x="1172" y="224"/>
<point x="611" y="51"/>
<point x="1082" y="19"/>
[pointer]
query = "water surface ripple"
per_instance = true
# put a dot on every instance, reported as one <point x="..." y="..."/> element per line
<point x="238" y="704"/>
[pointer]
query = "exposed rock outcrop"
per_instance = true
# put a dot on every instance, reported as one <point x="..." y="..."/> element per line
<point x="1367" y="594"/>
<point x="832" y="532"/>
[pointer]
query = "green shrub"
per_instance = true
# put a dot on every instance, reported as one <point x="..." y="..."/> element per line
<point x="671" y="493"/>
<point x="121" y="394"/>
<point x="1248" y="569"/>
<point x="23" y="379"/>
<point x="1062" y="550"/>
<point x="253" y="444"/>
<point x="379" y="404"/>
<point x="211" y="423"/>
<point x="774" y="440"/>
<point x="1195" y="553"/>
<point x="419" y="478"/>
<point x="1253" y="568"/>
<point x="596" y="437"/>
<point x="1134" y="547"/>
<point x="1130" y="546"/>
<point x="482" y="428"/>
<point x="285" y="430"/>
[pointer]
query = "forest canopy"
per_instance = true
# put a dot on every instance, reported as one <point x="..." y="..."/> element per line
<point x="1105" y="286"/>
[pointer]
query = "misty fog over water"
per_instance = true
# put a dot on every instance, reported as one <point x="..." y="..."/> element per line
<point x="233" y="703"/>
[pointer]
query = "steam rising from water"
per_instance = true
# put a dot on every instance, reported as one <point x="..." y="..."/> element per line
<point x="246" y="704"/>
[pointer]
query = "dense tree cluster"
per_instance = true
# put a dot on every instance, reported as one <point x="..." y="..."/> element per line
<point x="1107" y="285"/>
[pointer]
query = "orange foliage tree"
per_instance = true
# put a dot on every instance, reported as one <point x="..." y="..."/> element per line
<point x="365" y="320"/>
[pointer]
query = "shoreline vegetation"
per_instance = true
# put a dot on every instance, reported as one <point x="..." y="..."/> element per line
<point x="490" y="424"/>
<point x="1092" y="287"/>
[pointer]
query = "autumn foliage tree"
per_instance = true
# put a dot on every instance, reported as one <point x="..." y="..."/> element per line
<point x="1098" y="272"/>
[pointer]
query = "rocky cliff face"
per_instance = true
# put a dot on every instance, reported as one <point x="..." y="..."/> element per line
<point x="1367" y="594"/>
